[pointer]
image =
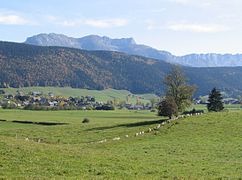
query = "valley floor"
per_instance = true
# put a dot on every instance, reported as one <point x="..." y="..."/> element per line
<point x="199" y="147"/>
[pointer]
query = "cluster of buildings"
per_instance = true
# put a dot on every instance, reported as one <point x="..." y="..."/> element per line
<point x="225" y="101"/>
<point x="38" y="101"/>
<point x="136" y="107"/>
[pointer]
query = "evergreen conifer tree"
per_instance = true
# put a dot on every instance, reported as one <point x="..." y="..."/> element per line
<point x="215" y="101"/>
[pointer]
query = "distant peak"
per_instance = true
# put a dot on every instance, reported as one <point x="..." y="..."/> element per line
<point x="92" y="36"/>
<point x="129" y="40"/>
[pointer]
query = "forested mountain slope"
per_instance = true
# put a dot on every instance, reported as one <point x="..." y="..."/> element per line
<point x="29" y="65"/>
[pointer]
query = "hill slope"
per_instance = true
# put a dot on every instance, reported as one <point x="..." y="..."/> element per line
<point x="198" y="147"/>
<point x="28" y="65"/>
<point x="128" y="45"/>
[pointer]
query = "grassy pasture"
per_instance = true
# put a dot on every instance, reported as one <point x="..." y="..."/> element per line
<point x="201" y="147"/>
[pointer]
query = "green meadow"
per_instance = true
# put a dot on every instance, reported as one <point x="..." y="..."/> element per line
<point x="199" y="147"/>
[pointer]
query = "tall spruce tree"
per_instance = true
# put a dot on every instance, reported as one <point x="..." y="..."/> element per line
<point x="215" y="101"/>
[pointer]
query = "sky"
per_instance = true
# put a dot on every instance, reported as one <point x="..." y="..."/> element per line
<point x="178" y="26"/>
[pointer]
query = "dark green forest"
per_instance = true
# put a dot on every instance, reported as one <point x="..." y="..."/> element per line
<point x="28" y="65"/>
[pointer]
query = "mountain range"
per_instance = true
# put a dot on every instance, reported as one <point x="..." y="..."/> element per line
<point x="29" y="65"/>
<point x="129" y="46"/>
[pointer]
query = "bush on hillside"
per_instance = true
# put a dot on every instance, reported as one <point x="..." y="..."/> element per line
<point x="86" y="120"/>
<point x="194" y="111"/>
<point x="106" y="107"/>
<point x="168" y="107"/>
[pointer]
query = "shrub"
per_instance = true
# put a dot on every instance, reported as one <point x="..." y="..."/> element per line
<point x="106" y="107"/>
<point x="9" y="106"/>
<point x="194" y="111"/>
<point x="86" y="120"/>
<point x="89" y="108"/>
<point x="168" y="107"/>
<point x="2" y="91"/>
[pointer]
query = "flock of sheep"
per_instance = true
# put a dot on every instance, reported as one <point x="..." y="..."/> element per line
<point x="38" y="141"/>
<point x="153" y="129"/>
<point x="142" y="132"/>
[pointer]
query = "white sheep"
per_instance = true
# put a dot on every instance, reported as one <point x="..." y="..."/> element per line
<point x="26" y="139"/>
<point x="103" y="141"/>
<point x="150" y="129"/>
<point x="158" y="126"/>
<point x="127" y="136"/>
<point x="136" y="134"/>
<point x="116" y="138"/>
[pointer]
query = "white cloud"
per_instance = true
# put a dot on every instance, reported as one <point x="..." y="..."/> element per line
<point x="180" y="1"/>
<point x="106" y="23"/>
<point x="13" y="20"/>
<point x="10" y="17"/>
<point x="152" y="25"/>
<point x="198" y="28"/>
<point x="51" y="18"/>
<point x="98" y="23"/>
<point x="196" y="3"/>
<point x="187" y="27"/>
<point x="69" y="23"/>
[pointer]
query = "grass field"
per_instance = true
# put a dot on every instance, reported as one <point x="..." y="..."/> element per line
<point x="102" y="95"/>
<point x="230" y="107"/>
<point x="200" y="147"/>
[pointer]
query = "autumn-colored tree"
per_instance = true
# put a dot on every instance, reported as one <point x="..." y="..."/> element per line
<point x="178" y="89"/>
